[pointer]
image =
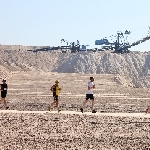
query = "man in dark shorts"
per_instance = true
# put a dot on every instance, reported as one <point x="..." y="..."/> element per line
<point x="55" y="89"/>
<point x="89" y="95"/>
<point x="4" y="88"/>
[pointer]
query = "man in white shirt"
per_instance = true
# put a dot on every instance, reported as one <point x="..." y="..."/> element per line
<point x="89" y="95"/>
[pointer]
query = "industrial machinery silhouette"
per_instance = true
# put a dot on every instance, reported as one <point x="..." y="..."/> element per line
<point x="74" y="47"/>
<point x="119" y="45"/>
<point x="71" y="46"/>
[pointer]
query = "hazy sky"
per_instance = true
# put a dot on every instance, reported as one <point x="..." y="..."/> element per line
<point x="46" y="22"/>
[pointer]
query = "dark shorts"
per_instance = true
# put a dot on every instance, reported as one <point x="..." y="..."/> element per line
<point x="3" y="94"/>
<point x="89" y="96"/>
<point x="55" y="97"/>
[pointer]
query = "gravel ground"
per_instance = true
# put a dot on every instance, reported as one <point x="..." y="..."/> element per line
<point x="29" y="91"/>
<point x="46" y="131"/>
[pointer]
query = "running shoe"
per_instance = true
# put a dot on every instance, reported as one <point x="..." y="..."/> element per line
<point x="94" y="111"/>
<point x="59" y="110"/>
<point x="7" y="107"/>
<point x="146" y="111"/>
<point x="49" y="108"/>
<point x="81" y="109"/>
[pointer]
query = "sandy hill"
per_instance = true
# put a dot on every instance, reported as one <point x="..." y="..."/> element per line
<point x="132" y="68"/>
<point x="120" y="121"/>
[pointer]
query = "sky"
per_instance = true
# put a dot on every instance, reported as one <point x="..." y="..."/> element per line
<point x="46" y="22"/>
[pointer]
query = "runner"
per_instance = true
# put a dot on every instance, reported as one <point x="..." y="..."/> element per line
<point x="147" y="110"/>
<point x="4" y="88"/>
<point x="55" y="89"/>
<point x="89" y="95"/>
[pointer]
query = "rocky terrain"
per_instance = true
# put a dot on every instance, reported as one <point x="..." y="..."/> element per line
<point x="73" y="132"/>
<point x="133" y="66"/>
<point x="121" y="97"/>
<point x="28" y="125"/>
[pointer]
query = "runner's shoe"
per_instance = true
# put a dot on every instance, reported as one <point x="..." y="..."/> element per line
<point x="94" y="111"/>
<point x="146" y="111"/>
<point x="59" y="110"/>
<point x="7" y="107"/>
<point x="49" y="108"/>
<point x="81" y="109"/>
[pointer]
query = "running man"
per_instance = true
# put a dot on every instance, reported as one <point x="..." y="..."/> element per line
<point x="55" y="89"/>
<point x="89" y="95"/>
<point x="4" y="88"/>
<point x="147" y="110"/>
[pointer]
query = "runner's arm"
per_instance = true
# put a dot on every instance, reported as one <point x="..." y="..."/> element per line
<point x="89" y="88"/>
<point x="52" y="88"/>
<point x="93" y="86"/>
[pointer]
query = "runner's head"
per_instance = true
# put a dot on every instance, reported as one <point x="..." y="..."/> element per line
<point x="3" y="81"/>
<point x="56" y="82"/>
<point x="92" y="79"/>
